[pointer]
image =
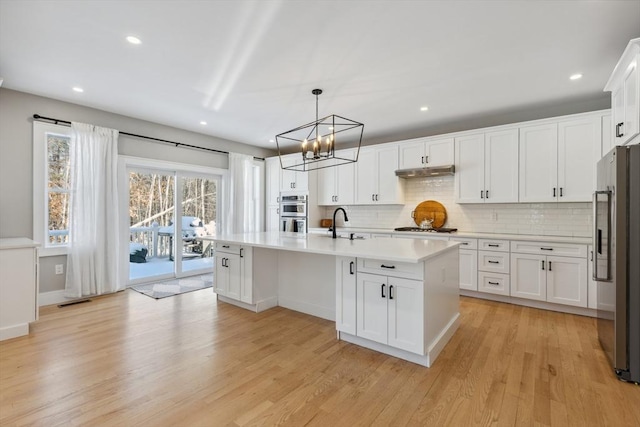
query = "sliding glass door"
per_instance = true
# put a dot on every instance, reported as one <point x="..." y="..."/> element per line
<point x="169" y="213"/>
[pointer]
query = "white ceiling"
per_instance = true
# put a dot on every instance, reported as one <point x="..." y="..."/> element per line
<point x="248" y="67"/>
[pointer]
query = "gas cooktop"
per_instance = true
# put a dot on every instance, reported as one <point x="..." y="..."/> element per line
<point x="427" y="230"/>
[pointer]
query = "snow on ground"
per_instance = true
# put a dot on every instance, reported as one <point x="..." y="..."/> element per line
<point x="162" y="265"/>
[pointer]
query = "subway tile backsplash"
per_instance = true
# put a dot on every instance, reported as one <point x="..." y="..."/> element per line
<point x="548" y="219"/>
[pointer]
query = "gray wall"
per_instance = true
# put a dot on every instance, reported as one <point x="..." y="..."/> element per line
<point x="16" y="162"/>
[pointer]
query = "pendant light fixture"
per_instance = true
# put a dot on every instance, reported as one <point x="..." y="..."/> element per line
<point x="317" y="141"/>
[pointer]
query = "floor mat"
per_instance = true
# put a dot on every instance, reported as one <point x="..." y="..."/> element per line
<point x="173" y="287"/>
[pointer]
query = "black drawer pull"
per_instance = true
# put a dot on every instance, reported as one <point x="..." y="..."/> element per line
<point x="493" y="246"/>
<point x="225" y="246"/>
<point x="493" y="262"/>
<point x="464" y="243"/>
<point x="546" y="249"/>
<point x="494" y="283"/>
<point x="387" y="266"/>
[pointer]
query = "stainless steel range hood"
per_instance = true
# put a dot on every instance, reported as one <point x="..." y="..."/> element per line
<point x="426" y="172"/>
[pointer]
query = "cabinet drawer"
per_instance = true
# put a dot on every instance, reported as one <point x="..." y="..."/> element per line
<point x="540" y="248"/>
<point x="493" y="283"/>
<point x="227" y="248"/>
<point x="493" y="245"/>
<point x="406" y="270"/>
<point x="497" y="262"/>
<point x="466" y="243"/>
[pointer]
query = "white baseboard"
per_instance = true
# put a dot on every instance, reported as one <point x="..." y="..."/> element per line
<point x="14" y="331"/>
<point x="52" y="297"/>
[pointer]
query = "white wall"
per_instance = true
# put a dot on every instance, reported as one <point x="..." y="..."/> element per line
<point x="559" y="219"/>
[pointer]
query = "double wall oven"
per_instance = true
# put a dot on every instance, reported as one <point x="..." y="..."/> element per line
<point x="294" y="213"/>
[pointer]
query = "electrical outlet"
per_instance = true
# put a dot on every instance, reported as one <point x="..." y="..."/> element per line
<point x="59" y="269"/>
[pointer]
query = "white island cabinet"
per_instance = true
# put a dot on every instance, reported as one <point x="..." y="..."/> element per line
<point x="18" y="286"/>
<point x="396" y="296"/>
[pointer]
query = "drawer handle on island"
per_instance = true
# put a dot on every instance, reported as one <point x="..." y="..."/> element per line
<point x="382" y="290"/>
<point x="546" y="249"/>
<point x="351" y="267"/>
<point x="493" y="262"/>
<point x="387" y="266"/>
<point x="391" y="292"/>
<point x="493" y="283"/>
<point x="225" y="246"/>
<point x="464" y="243"/>
<point x="491" y="245"/>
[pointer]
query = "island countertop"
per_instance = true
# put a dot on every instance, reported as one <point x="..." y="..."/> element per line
<point x="399" y="250"/>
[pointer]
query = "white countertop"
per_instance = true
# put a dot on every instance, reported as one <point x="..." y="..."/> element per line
<point x="18" y="243"/>
<point x="469" y="234"/>
<point x="398" y="250"/>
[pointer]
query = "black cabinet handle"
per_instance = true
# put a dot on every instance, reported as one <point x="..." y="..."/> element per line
<point x="549" y="265"/>
<point x="554" y="192"/>
<point x="241" y="253"/>
<point x="618" y="132"/>
<point x="482" y="194"/>
<point x="464" y="243"/>
<point x="376" y="197"/>
<point x="560" y="191"/>
<point x="493" y="283"/>
<point x="422" y="160"/>
<point x="492" y="245"/>
<point x="387" y="266"/>
<point x="351" y="267"/>
<point x="543" y="265"/>
<point x="391" y="292"/>
<point x="546" y="249"/>
<point x="382" y="290"/>
<point x="426" y="159"/>
<point x="225" y="246"/>
<point x="486" y="194"/>
<point x="373" y="197"/>
<point x="493" y="262"/>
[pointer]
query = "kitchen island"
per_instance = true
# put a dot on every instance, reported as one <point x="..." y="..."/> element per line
<point x="396" y="296"/>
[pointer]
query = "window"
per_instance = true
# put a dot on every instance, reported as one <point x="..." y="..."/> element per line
<point x="51" y="169"/>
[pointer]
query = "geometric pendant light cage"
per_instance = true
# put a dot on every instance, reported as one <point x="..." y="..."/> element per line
<point x="317" y="141"/>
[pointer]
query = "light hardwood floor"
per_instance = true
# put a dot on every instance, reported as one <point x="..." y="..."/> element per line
<point x="129" y="360"/>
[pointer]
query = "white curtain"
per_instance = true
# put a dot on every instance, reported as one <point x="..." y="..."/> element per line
<point x="93" y="254"/>
<point x="241" y="202"/>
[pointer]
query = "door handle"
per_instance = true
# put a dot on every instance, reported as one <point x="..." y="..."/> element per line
<point x="493" y="245"/>
<point x="426" y="159"/>
<point x="493" y="283"/>
<point x="373" y="197"/>
<point x="382" y="291"/>
<point x="391" y="292"/>
<point x="422" y="160"/>
<point x="486" y="194"/>
<point x="597" y="236"/>
<point x="546" y="249"/>
<point x="376" y="197"/>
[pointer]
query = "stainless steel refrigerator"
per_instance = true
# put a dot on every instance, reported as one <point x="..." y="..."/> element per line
<point x="616" y="251"/>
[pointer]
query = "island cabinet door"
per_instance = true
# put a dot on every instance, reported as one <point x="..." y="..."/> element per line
<point x="233" y="270"/>
<point x="406" y="325"/>
<point x="346" y="295"/>
<point x="371" y="307"/>
<point x="221" y="275"/>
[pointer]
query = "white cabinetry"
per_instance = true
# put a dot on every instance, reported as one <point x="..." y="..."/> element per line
<point x="272" y="190"/>
<point x="468" y="263"/>
<point x="557" y="160"/>
<point x="557" y="279"/>
<point x="293" y="180"/>
<point x="336" y="183"/>
<point x="389" y="311"/>
<point x="424" y="152"/>
<point x="18" y="286"/>
<point x="233" y="272"/>
<point x="346" y="295"/>
<point x="487" y="167"/>
<point x="376" y="180"/>
<point x="493" y="266"/>
<point x="624" y="85"/>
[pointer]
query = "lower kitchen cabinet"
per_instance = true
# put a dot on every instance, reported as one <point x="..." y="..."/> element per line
<point x="468" y="263"/>
<point x="346" y="295"/>
<point x="561" y="280"/>
<point x="233" y="272"/>
<point x="389" y="311"/>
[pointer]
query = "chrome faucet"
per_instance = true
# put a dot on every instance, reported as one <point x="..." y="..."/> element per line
<point x="335" y="236"/>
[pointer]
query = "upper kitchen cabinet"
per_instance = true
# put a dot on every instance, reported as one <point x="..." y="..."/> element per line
<point x="624" y="85"/>
<point x="487" y="167"/>
<point x="272" y="185"/>
<point x="376" y="180"/>
<point x="557" y="160"/>
<point x="424" y="152"/>
<point x="293" y="181"/>
<point x="336" y="184"/>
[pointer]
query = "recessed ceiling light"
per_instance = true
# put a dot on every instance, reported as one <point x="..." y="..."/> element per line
<point x="424" y="108"/>
<point x="575" y="76"/>
<point x="133" y="40"/>
<point x="78" y="89"/>
<point x="203" y="122"/>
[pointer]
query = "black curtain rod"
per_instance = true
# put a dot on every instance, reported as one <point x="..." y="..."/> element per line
<point x="177" y="144"/>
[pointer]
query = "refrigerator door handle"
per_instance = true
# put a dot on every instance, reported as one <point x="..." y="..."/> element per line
<point x="597" y="236"/>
